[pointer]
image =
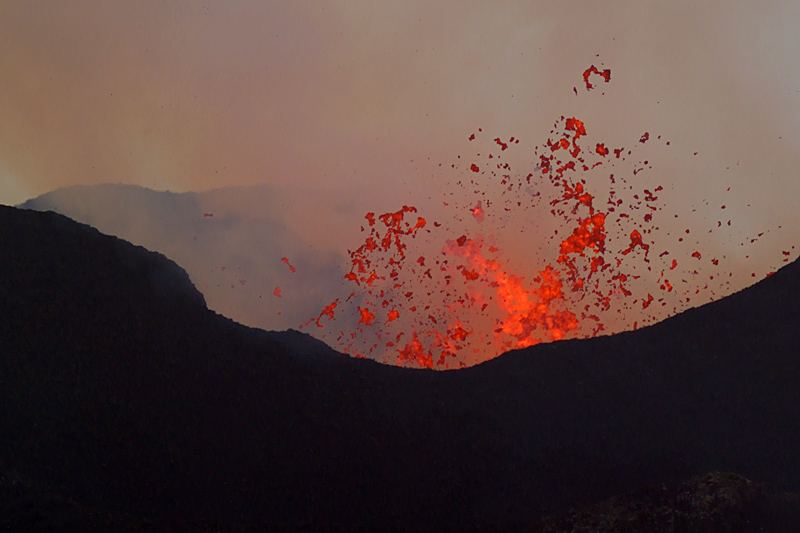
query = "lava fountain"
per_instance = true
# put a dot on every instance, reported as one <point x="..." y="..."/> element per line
<point x="436" y="295"/>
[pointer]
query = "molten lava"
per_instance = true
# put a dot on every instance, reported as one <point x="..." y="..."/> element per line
<point x="286" y="260"/>
<point x="426" y="298"/>
<point x="472" y="300"/>
<point x="605" y="74"/>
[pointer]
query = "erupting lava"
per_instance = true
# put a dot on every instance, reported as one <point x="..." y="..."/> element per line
<point x="606" y="74"/>
<point x="465" y="303"/>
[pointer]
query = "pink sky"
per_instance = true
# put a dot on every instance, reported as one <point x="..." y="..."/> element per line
<point x="181" y="96"/>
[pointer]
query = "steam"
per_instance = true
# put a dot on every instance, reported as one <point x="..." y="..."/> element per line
<point x="232" y="255"/>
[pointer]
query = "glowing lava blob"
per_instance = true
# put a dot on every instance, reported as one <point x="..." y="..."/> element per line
<point x="444" y="295"/>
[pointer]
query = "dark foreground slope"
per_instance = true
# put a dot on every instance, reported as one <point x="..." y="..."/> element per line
<point x="121" y="390"/>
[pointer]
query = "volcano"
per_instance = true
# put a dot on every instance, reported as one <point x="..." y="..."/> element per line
<point x="124" y="395"/>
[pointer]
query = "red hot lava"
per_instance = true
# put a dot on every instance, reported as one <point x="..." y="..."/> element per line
<point x="477" y="303"/>
<point x="465" y="303"/>
<point x="605" y="74"/>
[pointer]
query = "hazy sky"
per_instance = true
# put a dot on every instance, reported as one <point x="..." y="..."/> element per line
<point x="185" y="96"/>
<point x="370" y="97"/>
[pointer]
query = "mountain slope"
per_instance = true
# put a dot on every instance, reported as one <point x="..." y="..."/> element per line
<point x="230" y="241"/>
<point x="120" y="388"/>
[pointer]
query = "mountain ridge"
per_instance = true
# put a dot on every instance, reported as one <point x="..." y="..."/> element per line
<point x="230" y="241"/>
<point x="132" y="396"/>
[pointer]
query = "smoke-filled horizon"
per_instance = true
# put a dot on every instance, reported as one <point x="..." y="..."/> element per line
<point x="366" y="107"/>
<point x="190" y="98"/>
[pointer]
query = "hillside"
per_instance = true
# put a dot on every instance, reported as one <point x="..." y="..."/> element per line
<point x="230" y="241"/>
<point x="122" y="391"/>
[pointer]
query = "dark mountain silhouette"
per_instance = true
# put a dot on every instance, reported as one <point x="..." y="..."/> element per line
<point x="723" y="502"/>
<point x="230" y="241"/>
<point x="124" y="396"/>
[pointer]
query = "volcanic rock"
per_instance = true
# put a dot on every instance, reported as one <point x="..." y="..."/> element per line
<point x="121" y="393"/>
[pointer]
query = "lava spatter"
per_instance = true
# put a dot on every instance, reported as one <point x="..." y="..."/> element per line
<point x="286" y="261"/>
<point x="447" y="296"/>
<point x="605" y="74"/>
<point x="473" y="301"/>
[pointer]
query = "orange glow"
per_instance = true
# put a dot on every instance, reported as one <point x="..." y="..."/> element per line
<point x="366" y="316"/>
<point x="478" y="301"/>
<point x="460" y="300"/>
<point x="415" y="352"/>
<point x="529" y="310"/>
<point x="477" y="213"/>
<point x="590" y="233"/>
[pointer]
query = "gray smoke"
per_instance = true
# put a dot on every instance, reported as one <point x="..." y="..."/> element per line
<point x="232" y="253"/>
